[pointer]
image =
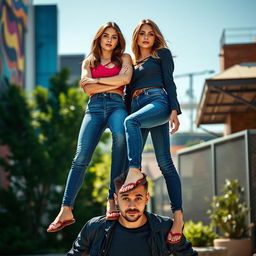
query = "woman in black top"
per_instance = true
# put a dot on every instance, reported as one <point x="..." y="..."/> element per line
<point x="153" y="98"/>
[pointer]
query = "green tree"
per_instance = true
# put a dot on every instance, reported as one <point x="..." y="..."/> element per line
<point x="41" y="134"/>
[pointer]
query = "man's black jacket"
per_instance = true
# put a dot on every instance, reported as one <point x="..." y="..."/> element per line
<point x="95" y="238"/>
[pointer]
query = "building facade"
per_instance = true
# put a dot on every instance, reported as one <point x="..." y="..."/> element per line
<point x="13" y="25"/>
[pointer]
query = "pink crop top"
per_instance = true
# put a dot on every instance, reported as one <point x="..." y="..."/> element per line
<point x="103" y="71"/>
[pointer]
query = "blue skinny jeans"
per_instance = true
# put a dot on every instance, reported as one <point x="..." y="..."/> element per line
<point x="151" y="113"/>
<point x="103" y="110"/>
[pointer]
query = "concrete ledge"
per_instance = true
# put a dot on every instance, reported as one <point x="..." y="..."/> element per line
<point x="211" y="251"/>
<point x="50" y="254"/>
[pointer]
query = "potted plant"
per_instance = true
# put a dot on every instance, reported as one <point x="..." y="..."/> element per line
<point x="228" y="212"/>
<point x="202" y="236"/>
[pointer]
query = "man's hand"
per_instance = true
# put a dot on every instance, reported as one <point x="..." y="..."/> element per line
<point x="174" y="122"/>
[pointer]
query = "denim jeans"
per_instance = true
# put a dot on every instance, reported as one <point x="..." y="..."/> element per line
<point x="103" y="110"/>
<point x="151" y="113"/>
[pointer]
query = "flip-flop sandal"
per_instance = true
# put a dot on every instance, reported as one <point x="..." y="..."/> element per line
<point x="133" y="185"/>
<point x="170" y="241"/>
<point x="62" y="225"/>
<point x="112" y="215"/>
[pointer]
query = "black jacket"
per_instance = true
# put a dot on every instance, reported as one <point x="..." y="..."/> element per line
<point x="95" y="238"/>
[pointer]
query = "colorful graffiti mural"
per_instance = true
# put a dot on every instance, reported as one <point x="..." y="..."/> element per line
<point x="13" y="22"/>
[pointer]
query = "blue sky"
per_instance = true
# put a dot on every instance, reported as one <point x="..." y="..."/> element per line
<point x="193" y="29"/>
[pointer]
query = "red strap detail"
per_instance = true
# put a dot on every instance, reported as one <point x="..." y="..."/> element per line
<point x="107" y="64"/>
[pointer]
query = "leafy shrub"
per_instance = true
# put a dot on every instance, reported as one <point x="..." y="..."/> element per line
<point x="229" y="211"/>
<point x="199" y="234"/>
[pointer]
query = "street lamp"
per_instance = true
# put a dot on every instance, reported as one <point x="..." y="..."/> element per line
<point x="190" y="91"/>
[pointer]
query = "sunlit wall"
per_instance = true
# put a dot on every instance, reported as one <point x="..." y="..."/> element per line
<point x="13" y="22"/>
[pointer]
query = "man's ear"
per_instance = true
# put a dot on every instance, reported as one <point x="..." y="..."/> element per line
<point x="115" y="198"/>
<point x="147" y="197"/>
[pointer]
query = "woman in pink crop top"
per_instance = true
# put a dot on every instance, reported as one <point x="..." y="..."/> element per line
<point x="104" y="74"/>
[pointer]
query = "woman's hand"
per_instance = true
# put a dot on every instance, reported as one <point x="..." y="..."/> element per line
<point x="174" y="122"/>
<point x="87" y="80"/>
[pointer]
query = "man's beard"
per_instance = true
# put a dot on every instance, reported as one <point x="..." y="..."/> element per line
<point x="131" y="219"/>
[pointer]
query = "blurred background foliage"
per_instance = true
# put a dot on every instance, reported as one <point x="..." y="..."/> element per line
<point x="41" y="133"/>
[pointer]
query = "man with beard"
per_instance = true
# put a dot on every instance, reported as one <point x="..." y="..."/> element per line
<point x="136" y="232"/>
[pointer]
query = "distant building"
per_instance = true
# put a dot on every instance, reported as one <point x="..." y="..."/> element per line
<point x="28" y="48"/>
<point x="46" y="42"/>
<point x="230" y="98"/>
<point x="73" y="63"/>
<point x="13" y="25"/>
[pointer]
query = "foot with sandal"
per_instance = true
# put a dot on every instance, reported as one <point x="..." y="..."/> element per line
<point x="175" y="233"/>
<point x="63" y="219"/>
<point x="134" y="179"/>
<point x="112" y="212"/>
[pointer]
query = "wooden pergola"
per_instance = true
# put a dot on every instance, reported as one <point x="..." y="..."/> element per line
<point x="230" y="93"/>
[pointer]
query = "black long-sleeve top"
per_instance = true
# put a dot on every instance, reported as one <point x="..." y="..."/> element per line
<point x="157" y="72"/>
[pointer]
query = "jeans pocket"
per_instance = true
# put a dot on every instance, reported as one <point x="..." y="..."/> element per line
<point x="94" y="106"/>
<point x="117" y="102"/>
<point x="117" y="98"/>
<point x="92" y="99"/>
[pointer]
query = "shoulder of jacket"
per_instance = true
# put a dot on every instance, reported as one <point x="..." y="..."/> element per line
<point x="94" y="223"/>
<point x="161" y="221"/>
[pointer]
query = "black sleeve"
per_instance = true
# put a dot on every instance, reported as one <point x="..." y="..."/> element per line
<point x="182" y="248"/>
<point x="81" y="246"/>
<point x="167" y="67"/>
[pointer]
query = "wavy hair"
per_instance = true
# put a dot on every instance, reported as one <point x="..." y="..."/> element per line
<point x="95" y="53"/>
<point x="159" y="43"/>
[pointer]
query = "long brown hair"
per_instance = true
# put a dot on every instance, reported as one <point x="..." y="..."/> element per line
<point x="95" y="54"/>
<point x="159" y="38"/>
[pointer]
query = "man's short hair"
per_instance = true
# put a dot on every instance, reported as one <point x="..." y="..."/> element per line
<point x="120" y="180"/>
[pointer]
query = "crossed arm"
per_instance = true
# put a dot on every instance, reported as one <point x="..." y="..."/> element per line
<point x="104" y="84"/>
